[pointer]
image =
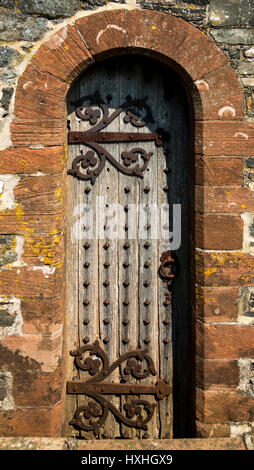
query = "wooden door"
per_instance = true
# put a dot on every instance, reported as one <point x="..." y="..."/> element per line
<point x="121" y="329"/>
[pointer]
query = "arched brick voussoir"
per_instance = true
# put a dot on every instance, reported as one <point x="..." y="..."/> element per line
<point x="173" y="37"/>
<point x="63" y="55"/>
<point x="26" y="132"/>
<point x="104" y="32"/>
<point x="221" y="96"/>
<point x="40" y="95"/>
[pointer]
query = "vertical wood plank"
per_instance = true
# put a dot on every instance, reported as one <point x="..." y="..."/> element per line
<point x="128" y="248"/>
<point x="148" y="320"/>
<point x="108" y="188"/>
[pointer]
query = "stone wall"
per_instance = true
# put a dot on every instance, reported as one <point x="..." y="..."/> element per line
<point x="31" y="336"/>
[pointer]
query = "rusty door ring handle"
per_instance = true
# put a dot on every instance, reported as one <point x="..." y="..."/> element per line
<point x="165" y="267"/>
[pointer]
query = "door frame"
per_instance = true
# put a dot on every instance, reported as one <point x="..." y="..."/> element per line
<point x="202" y="67"/>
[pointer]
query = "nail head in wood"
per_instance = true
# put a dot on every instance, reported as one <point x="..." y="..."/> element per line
<point x="147" y="245"/>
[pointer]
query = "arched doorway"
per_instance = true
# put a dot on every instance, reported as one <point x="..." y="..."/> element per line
<point x="217" y="128"/>
<point x="136" y="112"/>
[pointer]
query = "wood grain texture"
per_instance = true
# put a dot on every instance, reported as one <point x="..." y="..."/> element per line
<point x="130" y="297"/>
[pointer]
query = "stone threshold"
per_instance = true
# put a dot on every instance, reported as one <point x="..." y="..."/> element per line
<point x="44" y="443"/>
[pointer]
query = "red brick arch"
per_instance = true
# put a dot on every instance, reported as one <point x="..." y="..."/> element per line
<point x="222" y="138"/>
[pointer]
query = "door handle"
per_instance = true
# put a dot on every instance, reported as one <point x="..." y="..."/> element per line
<point x="165" y="270"/>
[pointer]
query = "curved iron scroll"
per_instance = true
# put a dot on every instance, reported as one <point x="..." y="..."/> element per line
<point x="93" y="161"/>
<point x="84" y="414"/>
<point x="134" y="359"/>
<point x="98" y="366"/>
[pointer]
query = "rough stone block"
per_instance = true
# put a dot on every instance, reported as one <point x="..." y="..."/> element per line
<point x="8" y="252"/>
<point x="217" y="171"/>
<point x="32" y="132"/>
<point x="215" y="304"/>
<point x="248" y="232"/>
<point x="208" y="430"/>
<point x="107" y="31"/>
<point x="249" y="53"/>
<point x="223" y="406"/>
<point x="32" y="282"/>
<point x="235" y="200"/>
<point x="7" y="185"/>
<point x="246" y="68"/>
<point x="38" y="315"/>
<point x="220" y="94"/>
<point x="246" y="305"/>
<point x="9" y="57"/>
<point x="231" y="13"/>
<point x="7" y="3"/>
<point x="63" y="55"/>
<point x="246" y="383"/>
<point x="46" y="249"/>
<point x="6" y="398"/>
<point x="6" y="97"/>
<point x="35" y="194"/>
<point x="44" y="421"/>
<point x="49" y="8"/>
<point x="10" y="317"/>
<point x="219" y="232"/>
<point x="17" y="27"/>
<point x="49" y="160"/>
<point x="18" y="222"/>
<point x="39" y="94"/>
<point x="216" y="375"/>
<point x="224" y="341"/>
<point x="222" y="269"/>
<point x="234" y="36"/>
<point x="225" y="138"/>
<point x="44" y="348"/>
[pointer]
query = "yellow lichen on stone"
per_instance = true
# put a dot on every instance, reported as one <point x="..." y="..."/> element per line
<point x="44" y="248"/>
<point x="210" y="271"/>
<point x="58" y="192"/>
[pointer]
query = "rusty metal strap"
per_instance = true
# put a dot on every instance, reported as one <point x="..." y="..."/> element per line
<point x="76" y="137"/>
<point x="160" y="389"/>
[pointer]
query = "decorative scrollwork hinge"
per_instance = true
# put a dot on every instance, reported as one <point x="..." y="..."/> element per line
<point x="99" y="368"/>
<point x="93" y="161"/>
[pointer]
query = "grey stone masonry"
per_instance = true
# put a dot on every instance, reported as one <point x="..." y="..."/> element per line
<point x="231" y="12"/>
<point x="194" y="12"/>
<point x="9" y="57"/>
<point x="246" y="68"/>
<point x="17" y="27"/>
<point x="7" y="253"/>
<point x="6" y="97"/>
<point x="235" y="36"/>
<point x="7" y="3"/>
<point x="49" y="8"/>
